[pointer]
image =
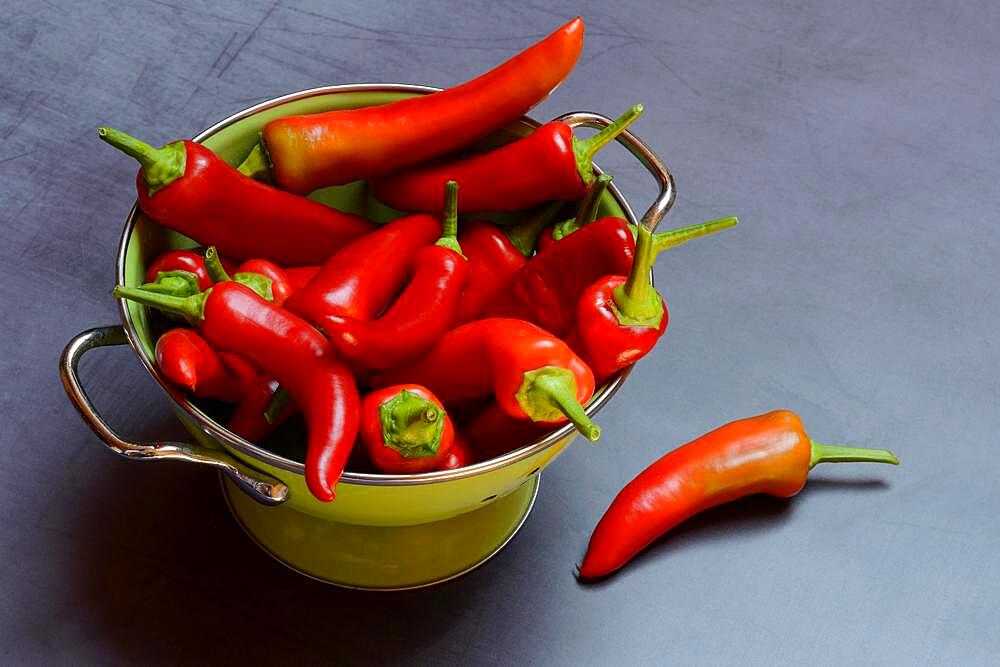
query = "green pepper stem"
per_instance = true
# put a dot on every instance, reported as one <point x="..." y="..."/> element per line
<point x="256" y="165"/>
<point x="213" y="264"/>
<point x="177" y="282"/>
<point x="587" y="212"/>
<point x="636" y="302"/>
<point x="524" y="236"/>
<point x="411" y="425"/>
<point x="549" y="393"/>
<point x="276" y="404"/>
<point x="675" y="237"/>
<point x="820" y="453"/>
<point x="190" y="307"/>
<point x="160" y="166"/>
<point x="449" y="224"/>
<point x="584" y="149"/>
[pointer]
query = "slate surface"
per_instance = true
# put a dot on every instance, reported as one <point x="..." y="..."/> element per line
<point x="857" y="142"/>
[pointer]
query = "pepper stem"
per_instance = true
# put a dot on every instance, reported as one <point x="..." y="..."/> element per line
<point x="820" y="453"/>
<point x="524" y="236"/>
<point x="276" y="404"/>
<point x="411" y="425"/>
<point x="549" y="394"/>
<point x="178" y="283"/>
<point x="636" y="302"/>
<point x="256" y="165"/>
<point x="160" y="166"/>
<point x="449" y="224"/>
<point x="216" y="271"/>
<point x="584" y="149"/>
<point x="675" y="237"/>
<point x="192" y="308"/>
<point x="588" y="208"/>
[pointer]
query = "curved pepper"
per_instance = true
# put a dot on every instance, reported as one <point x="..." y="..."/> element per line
<point x="531" y="374"/>
<point x="188" y="188"/>
<point x="422" y="312"/>
<point x="620" y="318"/>
<point x="405" y="429"/>
<point x="550" y="163"/>
<point x="316" y="150"/>
<point x="769" y="453"/>
<point x="233" y="318"/>
<point x="180" y="260"/>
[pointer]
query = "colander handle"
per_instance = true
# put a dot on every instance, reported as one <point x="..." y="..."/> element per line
<point x="637" y="147"/>
<point x="262" y="488"/>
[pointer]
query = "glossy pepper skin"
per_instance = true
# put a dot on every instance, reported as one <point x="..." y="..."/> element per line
<point x="492" y="260"/>
<point x="281" y="285"/>
<point x="405" y="429"/>
<point x="299" y="276"/>
<point x="248" y="420"/>
<point x="420" y="315"/>
<point x="531" y="374"/>
<point x="190" y="363"/>
<point x="232" y="318"/>
<point x="180" y="260"/>
<point x="547" y="289"/>
<point x="549" y="164"/>
<point x="316" y="150"/>
<point x="186" y="187"/>
<point x="769" y="453"/>
<point x="458" y="457"/>
<point x="362" y="278"/>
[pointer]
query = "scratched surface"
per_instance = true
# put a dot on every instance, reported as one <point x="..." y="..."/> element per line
<point x="858" y="143"/>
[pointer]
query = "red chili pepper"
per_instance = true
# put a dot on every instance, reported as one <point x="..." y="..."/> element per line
<point x="190" y="363"/>
<point x="531" y="374"/>
<point x="299" y="276"/>
<point x="233" y="318"/>
<point x="316" y="150"/>
<point x="186" y="187"/>
<point x="493" y="433"/>
<point x="180" y="260"/>
<point x="281" y="285"/>
<point x="620" y="318"/>
<point x="422" y="312"/>
<point x="769" y="453"/>
<point x="586" y="213"/>
<point x="550" y="163"/>
<point x="248" y="420"/>
<point x="458" y="457"/>
<point x="405" y="429"/>
<point x="361" y="279"/>
<point x="547" y="289"/>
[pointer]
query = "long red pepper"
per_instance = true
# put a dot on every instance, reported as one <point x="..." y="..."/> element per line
<point x="550" y="163"/>
<point x="299" y="276"/>
<point x="586" y="213"/>
<point x="180" y="260"/>
<point x="405" y="429"/>
<point x="769" y="453"/>
<point x="531" y="374"/>
<point x="362" y="278"/>
<point x="620" y="318"/>
<point x="313" y="151"/>
<point x="422" y="312"/>
<point x="233" y="318"/>
<point x="190" y="363"/>
<point x="188" y="188"/>
<point x="546" y="290"/>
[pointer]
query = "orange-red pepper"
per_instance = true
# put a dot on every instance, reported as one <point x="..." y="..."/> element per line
<point x="769" y="453"/>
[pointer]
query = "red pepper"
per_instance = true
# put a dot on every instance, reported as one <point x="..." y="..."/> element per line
<point x="316" y="150"/>
<point x="531" y="374"/>
<point x="190" y="363"/>
<point x="769" y="453"/>
<point x="586" y="213"/>
<point x="550" y="163"/>
<point x="546" y="290"/>
<point x="248" y="420"/>
<point x="186" y="187"/>
<point x="281" y="285"/>
<point x="458" y="457"/>
<point x="619" y="318"/>
<point x="299" y="276"/>
<point x="493" y="433"/>
<point x="361" y="279"/>
<point x="422" y="312"/>
<point x="180" y="260"/>
<point x="405" y="429"/>
<point x="233" y="318"/>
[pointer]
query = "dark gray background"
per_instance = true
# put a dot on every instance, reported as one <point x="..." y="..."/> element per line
<point x="857" y="142"/>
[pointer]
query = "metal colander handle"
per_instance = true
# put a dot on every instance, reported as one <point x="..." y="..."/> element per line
<point x="262" y="488"/>
<point x="637" y="147"/>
